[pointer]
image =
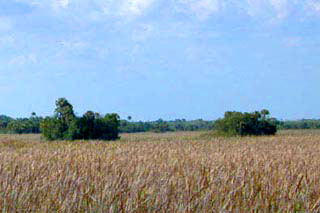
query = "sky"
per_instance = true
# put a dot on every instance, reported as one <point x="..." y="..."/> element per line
<point x="166" y="59"/>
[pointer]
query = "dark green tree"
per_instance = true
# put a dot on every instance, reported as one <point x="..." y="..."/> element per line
<point x="51" y="128"/>
<point x="65" y="125"/>
<point x="64" y="112"/>
<point x="87" y="125"/>
<point x="237" y="123"/>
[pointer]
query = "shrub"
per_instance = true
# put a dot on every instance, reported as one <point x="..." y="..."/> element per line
<point x="243" y="124"/>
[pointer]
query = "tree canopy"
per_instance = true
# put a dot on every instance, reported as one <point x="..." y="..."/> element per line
<point x="64" y="125"/>
<point x="243" y="124"/>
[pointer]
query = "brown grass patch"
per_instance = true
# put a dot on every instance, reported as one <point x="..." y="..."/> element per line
<point x="174" y="172"/>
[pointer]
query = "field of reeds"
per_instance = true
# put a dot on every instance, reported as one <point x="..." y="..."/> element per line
<point x="171" y="172"/>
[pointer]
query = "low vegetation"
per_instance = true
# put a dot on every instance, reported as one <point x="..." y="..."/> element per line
<point x="170" y="172"/>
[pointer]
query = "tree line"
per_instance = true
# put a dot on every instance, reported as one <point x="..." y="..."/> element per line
<point x="64" y="124"/>
<point x="32" y="125"/>
<point x="160" y="125"/>
<point x="29" y="125"/>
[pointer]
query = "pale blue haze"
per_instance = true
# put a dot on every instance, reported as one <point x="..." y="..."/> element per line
<point x="161" y="58"/>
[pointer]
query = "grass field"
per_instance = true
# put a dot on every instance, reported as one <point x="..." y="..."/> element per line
<point x="172" y="172"/>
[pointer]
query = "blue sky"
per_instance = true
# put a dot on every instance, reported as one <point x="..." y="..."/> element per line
<point x="161" y="58"/>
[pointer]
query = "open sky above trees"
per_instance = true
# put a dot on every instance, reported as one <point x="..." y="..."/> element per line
<point x="161" y="58"/>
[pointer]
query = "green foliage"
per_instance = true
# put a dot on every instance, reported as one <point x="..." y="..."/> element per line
<point x="90" y="125"/>
<point x="165" y="126"/>
<point x="64" y="125"/>
<point x="243" y="124"/>
<point x="51" y="128"/>
<point x="65" y="114"/>
<point x="93" y="126"/>
<point x="4" y="121"/>
<point x="161" y="126"/>
<point x="299" y="124"/>
<point x="111" y="123"/>
<point x="24" y="125"/>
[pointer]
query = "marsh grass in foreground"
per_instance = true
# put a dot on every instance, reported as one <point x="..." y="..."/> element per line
<point x="173" y="172"/>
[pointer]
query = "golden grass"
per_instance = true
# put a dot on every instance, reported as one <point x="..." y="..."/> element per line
<point x="173" y="172"/>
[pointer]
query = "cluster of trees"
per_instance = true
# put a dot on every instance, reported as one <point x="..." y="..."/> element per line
<point x="126" y="126"/>
<point x="238" y="123"/>
<point x="65" y="125"/>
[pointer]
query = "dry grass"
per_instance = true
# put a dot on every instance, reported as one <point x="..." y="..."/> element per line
<point x="174" y="172"/>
